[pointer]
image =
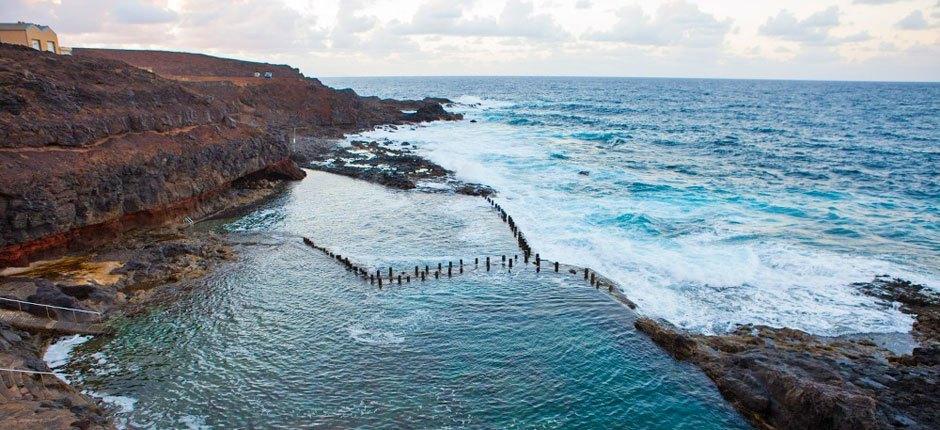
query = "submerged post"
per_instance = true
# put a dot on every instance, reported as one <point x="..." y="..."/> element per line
<point x="487" y="264"/>
<point x="556" y="267"/>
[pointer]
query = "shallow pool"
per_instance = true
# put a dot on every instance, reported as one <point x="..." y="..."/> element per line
<point x="287" y="338"/>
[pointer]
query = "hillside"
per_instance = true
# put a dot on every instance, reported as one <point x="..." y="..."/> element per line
<point x="90" y="144"/>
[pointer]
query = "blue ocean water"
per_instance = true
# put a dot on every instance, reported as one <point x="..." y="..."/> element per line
<point x="712" y="202"/>
<point x="286" y="338"/>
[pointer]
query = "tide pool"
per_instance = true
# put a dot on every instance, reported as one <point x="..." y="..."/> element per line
<point x="286" y="337"/>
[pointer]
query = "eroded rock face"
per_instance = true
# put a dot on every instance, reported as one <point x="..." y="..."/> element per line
<point x="787" y="379"/>
<point x="91" y="145"/>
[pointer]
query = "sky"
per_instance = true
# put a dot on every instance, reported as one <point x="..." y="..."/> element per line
<point x="894" y="40"/>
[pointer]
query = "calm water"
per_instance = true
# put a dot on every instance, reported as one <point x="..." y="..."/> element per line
<point x="713" y="202"/>
<point x="286" y="338"/>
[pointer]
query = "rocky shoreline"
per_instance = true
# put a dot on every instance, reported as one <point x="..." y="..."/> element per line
<point x="778" y="378"/>
<point x="118" y="185"/>
<point x="107" y="157"/>
<point x="781" y="378"/>
<point x="120" y="278"/>
<point x="391" y="164"/>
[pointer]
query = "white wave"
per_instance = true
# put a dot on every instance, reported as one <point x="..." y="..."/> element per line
<point x="699" y="282"/>
<point x="480" y="102"/>
<point x="374" y="336"/>
<point x="58" y="353"/>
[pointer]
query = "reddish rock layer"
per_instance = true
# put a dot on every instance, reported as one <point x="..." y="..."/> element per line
<point x="91" y="144"/>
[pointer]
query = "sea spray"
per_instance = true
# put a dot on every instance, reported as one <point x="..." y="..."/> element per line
<point x="710" y="210"/>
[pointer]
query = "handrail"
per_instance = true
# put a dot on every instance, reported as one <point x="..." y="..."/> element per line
<point x="51" y="306"/>
<point x="35" y="372"/>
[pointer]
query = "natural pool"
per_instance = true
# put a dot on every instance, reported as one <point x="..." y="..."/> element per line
<point x="287" y="338"/>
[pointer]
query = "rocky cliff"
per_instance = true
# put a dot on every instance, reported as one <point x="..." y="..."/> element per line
<point x="94" y="144"/>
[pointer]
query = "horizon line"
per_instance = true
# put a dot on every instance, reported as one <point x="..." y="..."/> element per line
<point x="875" y="81"/>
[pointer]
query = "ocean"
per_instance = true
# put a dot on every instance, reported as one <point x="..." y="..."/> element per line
<point x="287" y="338"/>
<point x="712" y="202"/>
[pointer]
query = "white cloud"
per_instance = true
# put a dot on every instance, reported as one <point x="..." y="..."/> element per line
<point x="813" y="30"/>
<point x="675" y="23"/>
<point x="135" y="12"/>
<point x="702" y="38"/>
<point x="518" y="18"/>
<point x="913" y="21"/>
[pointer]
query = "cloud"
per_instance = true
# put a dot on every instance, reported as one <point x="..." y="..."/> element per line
<point x="583" y="4"/>
<point x="517" y="19"/>
<point x="677" y="23"/>
<point x="135" y="12"/>
<point x="913" y="21"/>
<point x="813" y="30"/>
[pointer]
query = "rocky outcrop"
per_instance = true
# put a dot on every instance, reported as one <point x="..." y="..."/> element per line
<point x="783" y="378"/>
<point x="94" y="144"/>
<point x="400" y="167"/>
<point x="40" y="401"/>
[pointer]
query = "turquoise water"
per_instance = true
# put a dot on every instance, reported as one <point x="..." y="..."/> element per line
<point x="286" y="338"/>
<point x="712" y="202"/>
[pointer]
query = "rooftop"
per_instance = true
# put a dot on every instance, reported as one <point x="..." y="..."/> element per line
<point x="23" y="26"/>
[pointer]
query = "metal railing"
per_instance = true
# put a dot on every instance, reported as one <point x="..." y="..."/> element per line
<point x="20" y="303"/>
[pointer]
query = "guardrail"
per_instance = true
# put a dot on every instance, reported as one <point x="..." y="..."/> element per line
<point x="20" y="303"/>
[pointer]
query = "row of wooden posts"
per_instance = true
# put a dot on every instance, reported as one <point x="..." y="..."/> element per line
<point x="405" y="277"/>
<point x="517" y="233"/>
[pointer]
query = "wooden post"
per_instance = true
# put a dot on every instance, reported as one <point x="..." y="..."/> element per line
<point x="422" y="275"/>
<point x="371" y="279"/>
<point x="399" y="279"/>
<point x="389" y="273"/>
<point x="416" y="271"/>
<point x="487" y="264"/>
<point x="437" y="275"/>
<point x="380" y="282"/>
<point x="585" y="273"/>
<point x="556" y="267"/>
<point x="510" y="264"/>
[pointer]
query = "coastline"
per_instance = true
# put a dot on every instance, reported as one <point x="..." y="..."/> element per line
<point x="728" y="359"/>
<point x="777" y="377"/>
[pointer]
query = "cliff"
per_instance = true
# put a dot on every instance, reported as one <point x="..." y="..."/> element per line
<point x="94" y="144"/>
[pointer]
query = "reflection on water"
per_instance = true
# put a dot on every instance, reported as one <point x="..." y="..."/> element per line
<point x="287" y="338"/>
